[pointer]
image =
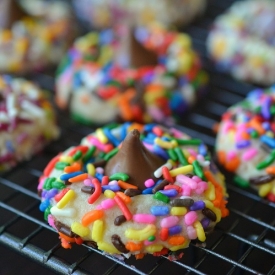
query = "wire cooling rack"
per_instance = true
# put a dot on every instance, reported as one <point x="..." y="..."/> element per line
<point x="243" y="243"/>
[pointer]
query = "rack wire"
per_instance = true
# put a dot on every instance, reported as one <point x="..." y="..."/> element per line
<point x="243" y="243"/>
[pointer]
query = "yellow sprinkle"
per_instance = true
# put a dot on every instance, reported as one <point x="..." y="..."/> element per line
<point x="90" y="169"/>
<point x="186" y="153"/>
<point x="109" y="194"/>
<point x="101" y="136"/>
<point x="154" y="248"/>
<point x="79" y="229"/>
<point x="264" y="189"/>
<point x="184" y="40"/>
<point x="107" y="247"/>
<point x="141" y="235"/>
<point x="97" y="231"/>
<point x="68" y="159"/>
<point x="178" y="211"/>
<point x="66" y="199"/>
<point x="200" y="231"/>
<point x="177" y="247"/>
<point x="210" y="192"/>
<point x="165" y="144"/>
<point x="181" y="170"/>
<point x="270" y="134"/>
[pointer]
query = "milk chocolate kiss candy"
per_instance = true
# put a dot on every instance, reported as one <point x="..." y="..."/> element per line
<point x="134" y="160"/>
<point x="10" y="12"/>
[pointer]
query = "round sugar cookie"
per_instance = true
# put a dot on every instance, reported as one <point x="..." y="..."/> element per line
<point x="133" y="189"/>
<point x="105" y="13"/>
<point x="245" y="142"/>
<point x="27" y="121"/>
<point x="242" y="41"/>
<point x="145" y="75"/>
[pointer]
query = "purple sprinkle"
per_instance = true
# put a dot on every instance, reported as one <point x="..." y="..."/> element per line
<point x="266" y="108"/>
<point x="169" y="193"/>
<point x="205" y="222"/>
<point x="242" y="144"/>
<point x="51" y="193"/>
<point x="197" y="205"/>
<point x="175" y="230"/>
<point x="266" y="125"/>
<point x="113" y="187"/>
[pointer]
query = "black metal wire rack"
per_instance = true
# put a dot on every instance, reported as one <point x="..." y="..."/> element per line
<point x="243" y="243"/>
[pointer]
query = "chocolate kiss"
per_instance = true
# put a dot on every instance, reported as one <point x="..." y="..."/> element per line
<point x="10" y="12"/>
<point x="134" y="160"/>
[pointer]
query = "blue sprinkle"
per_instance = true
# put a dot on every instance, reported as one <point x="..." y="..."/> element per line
<point x="77" y="82"/>
<point x="205" y="222"/>
<point x="160" y="152"/>
<point x="51" y="193"/>
<point x="106" y="36"/>
<point x="169" y="193"/>
<point x="175" y="230"/>
<point x="70" y="175"/>
<point x="147" y="191"/>
<point x="99" y="176"/>
<point x="268" y="141"/>
<point x="202" y="150"/>
<point x="44" y="205"/>
<point x="124" y="129"/>
<point x="9" y="146"/>
<point x="160" y="210"/>
<point x="111" y="137"/>
<point x="113" y="187"/>
<point x="266" y="125"/>
<point x="197" y="205"/>
<point x="148" y="141"/>
<point x="149" y="127"/>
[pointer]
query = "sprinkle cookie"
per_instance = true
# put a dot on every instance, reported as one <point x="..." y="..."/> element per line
<point x="242" y="41"/>
<point x="106" y="13"/>
<point x="156" y="77"/>
<point x="133" y="189"/>
<point x="27" y="121"/>
<point x="33" y="37"/>
<point x="245" y="142"/>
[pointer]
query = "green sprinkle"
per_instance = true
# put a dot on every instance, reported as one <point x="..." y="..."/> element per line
<point x="119" y="176"/>
<point x="172" y="154"/>
<point x="77" y="155"/>
<point x="241" y="182"/>
<point x="80" y="119"/>
<point x="267" y="161"/>
<point x="258" y="109"/>
<point x="272" y="110"/>
<point x="110" y="154"/>
<point x="48" y="183"/>
<point x="151" y="238"/>
<point x="181" y="156"/>
<point x="254" y="134"/>
<point x="61" y="165"/>
<point x="197" y="169"/>
<point x="101" y="155"/>
<point x="47" y="213"/>
<point x="161" y="197"/>
<point x="111" y="126"/>
<point x="89" y="154"/>
<point x="193" y="141"/>
<point x="58" y="185"/>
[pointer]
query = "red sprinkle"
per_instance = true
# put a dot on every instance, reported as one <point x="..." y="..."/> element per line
<point x="157" y="131"/>
<point x="163" y="251"/>
<point x="97" y="192"/>
<point x="176" y="187"/>
<point x="81" y="148"/>
<point x="105" y="180"/>
<point x="78" y="241"/>
<point x="166" y="174"/>
<point x="50" y="166"/>
<point x="124" y="209"/>
<point x="60" y="195"/>
<point x="271" y="197"/>
<point x="163" y="235"/>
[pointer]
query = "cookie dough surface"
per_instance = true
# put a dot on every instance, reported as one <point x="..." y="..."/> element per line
<point x="133" y="189"/>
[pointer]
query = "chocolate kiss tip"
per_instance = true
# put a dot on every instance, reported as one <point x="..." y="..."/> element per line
<point x="135" y="160"/>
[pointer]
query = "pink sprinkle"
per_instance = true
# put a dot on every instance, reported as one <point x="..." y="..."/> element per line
<point x="231" y="155"/>
<point x="94" y="141"/>
<point x="185" y="180"/>
<point x="191" y="232"/>
<point x="190" y="217"/>
<point x="200" y="158"/>
<point x="176" y="133"/>
<point x="192" y="152"/>
<point x="99" y="170"/>
<point x="108" y="203"/>
<point x="148" y="146"/>
<point x="228" y="125"/>
<point x="41" y="183"/>
<point x="88" y="182"/>
<point x="202" y="186"/>
<point x="169" y="221"/>
<point x="99" y="207"/>
<point x="249" y="154"/>
<point x="186" y="190"/>
<point x="196" y="179"/>
<point x="149" y="183"/>
<point x="144" y="218"/>
<point x="146" y="242"/>
<point x="113" y="182"/>
<point x="51" y="221"/>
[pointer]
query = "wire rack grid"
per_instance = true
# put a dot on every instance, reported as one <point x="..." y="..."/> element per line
<point x="243" y="243"/>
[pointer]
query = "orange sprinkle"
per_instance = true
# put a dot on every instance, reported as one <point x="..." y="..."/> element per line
<point x="131" y="246"/>
<point x="270" y="170"/>
<point x="124" y="197"/>
<point x="62" y="104"/>
<point x="139" y="256"/>
<point x="176" y="240"/>
<point x="65" y="237"/>
<point x="65" y="244"/>
<point x="221" y="157"/>
<point x="73" y="168"/>
<point x="137" y="126"/>
<point x="233" y="164"/>
<point x="163" y="251"/>
<point x="153" y="88"/>
<point x="91" y="216"/>
<point x="257" y="125"/>
<point x="215" y="127"/>
<point x="191" y="159"/>
<point x="50" y="166"/>
<point x="125" y="185"/>
<point x="245" y="136"/>
<point x="79" y="178"/>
